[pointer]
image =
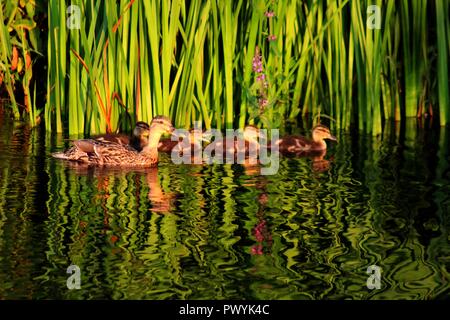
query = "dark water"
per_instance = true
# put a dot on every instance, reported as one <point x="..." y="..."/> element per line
<point x="225" y="232"/>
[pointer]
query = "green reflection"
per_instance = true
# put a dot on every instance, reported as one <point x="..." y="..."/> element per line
<point x="224" y="231"/>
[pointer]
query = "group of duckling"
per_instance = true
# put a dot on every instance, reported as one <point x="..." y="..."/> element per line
<point x="141" y="149"/>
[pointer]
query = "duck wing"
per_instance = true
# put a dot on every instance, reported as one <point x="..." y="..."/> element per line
<point x="85" y="145"/>
<point x="294" y="144"/>
<point x="73" y="153"/>
<point x="83" y="150"/>
<point x="117" y="138"/>
<point x="105" y="152"/>
<point x="80" y="151"/>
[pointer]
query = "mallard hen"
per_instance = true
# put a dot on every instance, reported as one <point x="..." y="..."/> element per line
<point x="137" y="141"/>
<point x="108" y="153"/>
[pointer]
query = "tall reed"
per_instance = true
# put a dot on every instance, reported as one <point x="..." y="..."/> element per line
<point x="18" y="50"/>
<point x="131" y="60"/>
<point x="443" y="44"/>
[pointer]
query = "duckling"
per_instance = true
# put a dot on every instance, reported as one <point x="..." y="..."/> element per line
<point x="231" y="145"/>
<point x="108" y="153"/>
<point x="138" y="139"/>
<point x="297" y="144"/>
<point x="195" y="138"/>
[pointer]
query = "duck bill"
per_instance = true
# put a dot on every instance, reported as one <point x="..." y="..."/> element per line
<point x="332" y="138"/>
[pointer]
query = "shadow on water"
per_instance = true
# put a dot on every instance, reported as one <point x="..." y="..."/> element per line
<point x="225" y="232"/>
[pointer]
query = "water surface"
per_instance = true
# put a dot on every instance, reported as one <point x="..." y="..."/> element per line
<point x="225" y="232"/>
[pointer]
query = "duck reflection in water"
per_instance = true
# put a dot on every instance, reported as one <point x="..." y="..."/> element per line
<point x="160" y="201"/>
<point x="319" y="163"/>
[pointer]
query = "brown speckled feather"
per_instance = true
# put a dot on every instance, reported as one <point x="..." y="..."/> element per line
<point x="117" y="138"/>
<point x="114" y="154"/>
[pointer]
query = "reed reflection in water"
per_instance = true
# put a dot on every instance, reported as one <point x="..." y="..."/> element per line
<point x="224" y="231"/>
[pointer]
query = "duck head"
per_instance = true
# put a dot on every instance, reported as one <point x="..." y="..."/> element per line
<point x="321" y="132"/>
<point x="251" y="134"/>
<point x="140" y="135"/>
<point x="142" y="129"/>
<point x="161" y="125"/>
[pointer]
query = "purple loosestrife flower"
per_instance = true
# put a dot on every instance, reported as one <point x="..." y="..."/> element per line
<point x="257" y="62"/>
<point x="272" y="37"/>
<point x="269" y="14"/>
<point x="263" y="102"/>
<point x="261" y="77"/>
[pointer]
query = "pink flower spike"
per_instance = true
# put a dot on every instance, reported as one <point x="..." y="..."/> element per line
<point x="257" y="250"/>
<point x="263" y="102"/>
<point x="261" y="77"/>
<point x="257" y="63"/>
<point x="272" y="37"/>
<point x="269" y="14"/>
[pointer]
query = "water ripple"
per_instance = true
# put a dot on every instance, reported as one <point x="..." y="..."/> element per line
<point x="223" y="231"/>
